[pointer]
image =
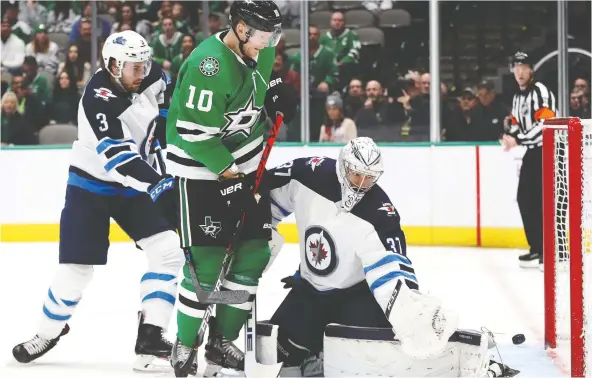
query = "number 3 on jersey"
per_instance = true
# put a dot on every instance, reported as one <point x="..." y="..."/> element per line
<point x="103" y="119"/>
<point x="204" y="102"/>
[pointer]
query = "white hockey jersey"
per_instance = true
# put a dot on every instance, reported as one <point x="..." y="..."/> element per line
<point x="339" y="249"/>
<point x="115" y="135"/>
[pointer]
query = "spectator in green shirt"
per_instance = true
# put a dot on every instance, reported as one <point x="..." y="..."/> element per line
<point x="322" y="65"/>
<point x="167" y="45"/>
<point x="38" y="84"/>
<point x="346" y="45"/>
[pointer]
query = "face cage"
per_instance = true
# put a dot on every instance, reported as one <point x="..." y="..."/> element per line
<point x="263" y="38"/>
<point x="349" y="168"/>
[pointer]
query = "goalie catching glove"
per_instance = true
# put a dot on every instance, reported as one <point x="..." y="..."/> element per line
<point x="281" y="99"/>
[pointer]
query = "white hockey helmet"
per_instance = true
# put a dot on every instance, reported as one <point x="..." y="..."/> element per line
<point x="127" y="46"/>
<point x="359" y="167"/>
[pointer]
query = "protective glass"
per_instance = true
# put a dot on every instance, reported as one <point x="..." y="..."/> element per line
<point x="261" y="39"/>
<point x="361" y="180"/>
<point x="137" y="70"/>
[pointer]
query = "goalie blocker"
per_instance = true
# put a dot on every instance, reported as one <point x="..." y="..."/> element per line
<point x="366" y="351"/>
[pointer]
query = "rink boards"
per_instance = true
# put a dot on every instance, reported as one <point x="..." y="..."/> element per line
<point x="447" y="194"/>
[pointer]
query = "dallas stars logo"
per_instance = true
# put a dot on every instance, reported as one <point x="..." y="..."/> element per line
<point x="211" y="228"/>
<point x="241" y="121"/>
<point x="209" y="66"/>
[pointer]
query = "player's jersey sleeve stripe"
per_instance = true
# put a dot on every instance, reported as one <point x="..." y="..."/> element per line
<point x="279" y="207"/>
<point x="107" y="143"/>
<point x="120" y="159"/>
<point x="393" y="258"/>
<point x="391" y="276"/>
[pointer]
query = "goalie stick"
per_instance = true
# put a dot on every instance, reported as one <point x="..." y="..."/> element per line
<point x="207" y="297"/>
<point x="254" y="368"/>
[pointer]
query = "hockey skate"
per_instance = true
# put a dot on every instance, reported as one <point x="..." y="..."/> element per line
<point x="36" y="347"/>
<point x="180" y="354"/>
<point x="529" y="260"/>
<point x="223" y="357"/>
<point x="150" y="345"/>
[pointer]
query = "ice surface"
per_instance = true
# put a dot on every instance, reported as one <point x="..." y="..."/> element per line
<point x="485" y="285"/>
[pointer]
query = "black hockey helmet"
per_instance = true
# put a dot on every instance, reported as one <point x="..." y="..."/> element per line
<point x="263" y="19"/>
<point x="260" y="15"/>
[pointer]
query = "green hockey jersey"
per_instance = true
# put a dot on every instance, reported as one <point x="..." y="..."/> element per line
<point x="346" y="46"/>
<point x="215" y="118"/>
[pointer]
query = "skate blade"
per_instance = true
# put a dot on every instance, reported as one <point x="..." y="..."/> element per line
<point x="529" y="264"/>
<point x="213" y="370"/>
<point x="150" y="364"/>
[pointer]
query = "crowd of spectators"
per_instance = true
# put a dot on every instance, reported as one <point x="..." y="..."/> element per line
<point x="46" y="62"/>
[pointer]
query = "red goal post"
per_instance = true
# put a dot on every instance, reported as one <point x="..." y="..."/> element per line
<point x="567" y="227"/>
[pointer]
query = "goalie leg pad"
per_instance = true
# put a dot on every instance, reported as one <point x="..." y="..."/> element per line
<point x="361" y="351"/>
<point x="267" y="335"/>
<point x="158" y="287"/>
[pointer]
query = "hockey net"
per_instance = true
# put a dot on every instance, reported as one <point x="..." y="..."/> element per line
<point x="567" y="230"/>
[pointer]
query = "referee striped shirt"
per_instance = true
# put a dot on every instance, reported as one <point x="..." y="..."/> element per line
<point x="529" y="108"/>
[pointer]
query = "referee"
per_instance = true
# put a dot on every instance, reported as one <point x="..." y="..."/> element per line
<point x="530" y="106"/>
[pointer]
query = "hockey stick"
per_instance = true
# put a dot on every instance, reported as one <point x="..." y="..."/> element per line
<point x="226" y="263"/>
<point x="206" y="297"/>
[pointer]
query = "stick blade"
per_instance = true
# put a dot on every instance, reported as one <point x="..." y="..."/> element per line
<point x="223" y="297"/>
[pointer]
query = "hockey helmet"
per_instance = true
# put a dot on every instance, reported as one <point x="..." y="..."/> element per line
<point x="124" y="47"/>
<point x="263" y="19"/>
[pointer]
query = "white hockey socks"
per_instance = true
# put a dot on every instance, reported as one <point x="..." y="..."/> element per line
<point x="62" y="298"/>
<point x="158" y="287"/>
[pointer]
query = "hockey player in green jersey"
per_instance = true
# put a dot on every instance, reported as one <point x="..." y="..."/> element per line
<point x="215" y="130"/>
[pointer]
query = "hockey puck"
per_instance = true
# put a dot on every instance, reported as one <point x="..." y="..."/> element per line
<point x="518" y="339"/>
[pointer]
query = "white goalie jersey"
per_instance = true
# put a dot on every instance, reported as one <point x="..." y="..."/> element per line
<point x="340" y="249"/>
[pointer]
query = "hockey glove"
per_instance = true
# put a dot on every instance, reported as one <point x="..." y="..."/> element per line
<point x="163" y="196"/>
<point x="281" y="98"/>
<point x="238" y="193"/>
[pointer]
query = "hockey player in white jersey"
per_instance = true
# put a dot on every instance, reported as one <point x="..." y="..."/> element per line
<point x="355" y="281"/>
<point x="112" y="176"/>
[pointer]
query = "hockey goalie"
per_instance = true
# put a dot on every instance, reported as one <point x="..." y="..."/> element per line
<point x="355" y="307"/>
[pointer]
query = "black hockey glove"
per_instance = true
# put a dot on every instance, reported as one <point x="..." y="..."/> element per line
<point x="238" y="193"/>
<point x="281" y="98"/>
<point x="163" y="195"/>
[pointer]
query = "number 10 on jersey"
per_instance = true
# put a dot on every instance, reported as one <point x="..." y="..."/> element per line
<point x="204" y="102"/>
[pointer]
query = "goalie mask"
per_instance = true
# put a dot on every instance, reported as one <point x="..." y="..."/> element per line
<point x="359" y="167"/>
<point x="128" y="58"/>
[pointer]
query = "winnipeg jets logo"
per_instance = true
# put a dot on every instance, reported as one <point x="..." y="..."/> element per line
<point x="319" y="249"/>
<point x="241" y="121"/>
<point x="389" y="208"/>
<point x="315" y="162"/>
<point x="211" y="228"/>
<point x="104" y="93"/>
